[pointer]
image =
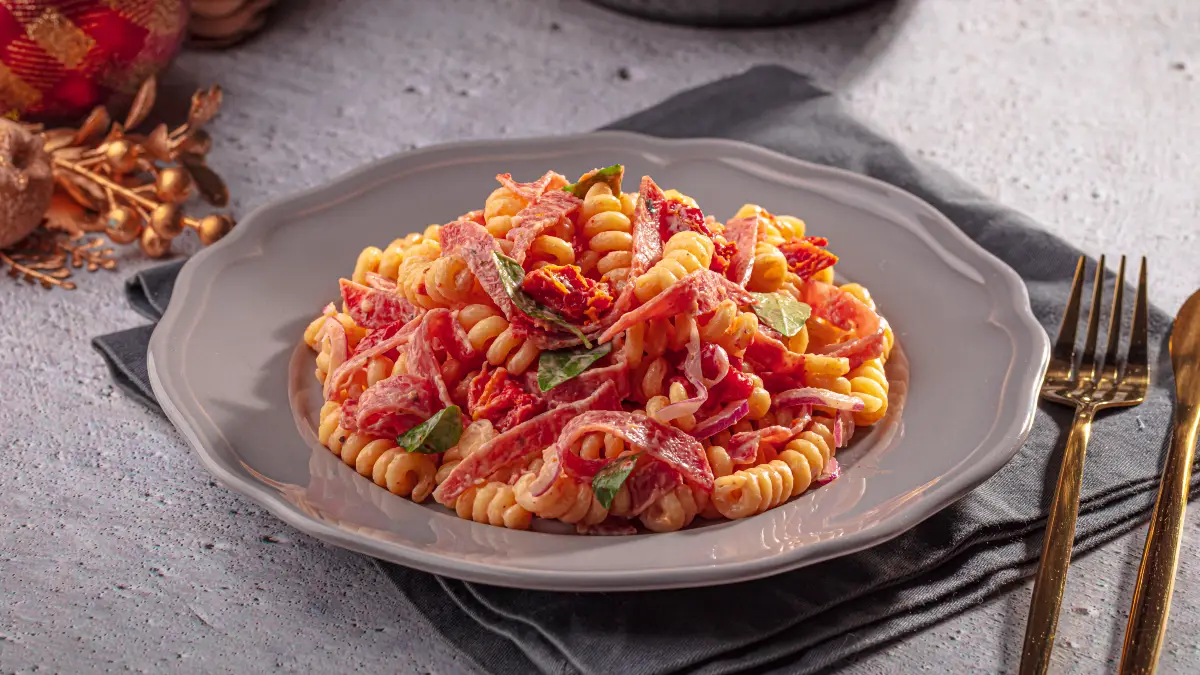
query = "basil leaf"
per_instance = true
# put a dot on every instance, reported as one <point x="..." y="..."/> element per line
<point x="609" y="479"/>
<point x="511" y="275"/>
<point x="609" y="174"/>
<point x="781" y="312"/>
<point x="436" y="434"/>
<point x="560" y="365"/>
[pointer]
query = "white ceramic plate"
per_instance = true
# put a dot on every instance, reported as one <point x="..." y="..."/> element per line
<point x="230" y="370"/>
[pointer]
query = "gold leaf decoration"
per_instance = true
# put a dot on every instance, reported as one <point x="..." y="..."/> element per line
<point x="205" y="105"/>
<point x="72" y="186"/>
<point x="158" y="143"/>
<point x="67" y="216"/>
<point x="109" y="179"/>
<point x="210" y="185"/>
<point x="57" y="139"/>
<point x="95" y="254"/>
<point x="142" y="104"/>
<point x="97" y="121"/>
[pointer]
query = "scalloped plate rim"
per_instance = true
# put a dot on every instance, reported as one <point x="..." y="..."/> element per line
<point x="1017" y="315"/>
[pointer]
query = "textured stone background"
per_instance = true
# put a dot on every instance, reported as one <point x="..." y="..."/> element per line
<point x="118" y="552"/>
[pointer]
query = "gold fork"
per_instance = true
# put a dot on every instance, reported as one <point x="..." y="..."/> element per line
<point x="1089" y="387"/>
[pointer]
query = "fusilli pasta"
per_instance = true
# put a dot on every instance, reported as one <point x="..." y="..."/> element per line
<point x="703" y="405"/>
<point x="791" y="472"/>
<point x="490" y="333"/>
<point x="493" y="504"/>
<point x="407" y="474"/>
<point x="683" y="253"/>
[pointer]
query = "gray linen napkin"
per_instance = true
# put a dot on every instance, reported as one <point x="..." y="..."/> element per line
<point x="809" y="619"/>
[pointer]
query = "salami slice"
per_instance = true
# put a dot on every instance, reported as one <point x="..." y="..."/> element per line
<point x="468" y="240"/>
<point x="394" y="405"/>
<point x="697" y="293"/>
<point x="647" y="234"/>
<point x="542" y="214"/>
<point x="373" y="308"/>
<point x="667" y="444"/>
<point x="551" y="180"/>
<point x="743" y="234"/>
<point x="519" y="442"/>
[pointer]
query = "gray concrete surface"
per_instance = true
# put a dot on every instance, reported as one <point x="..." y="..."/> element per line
<point x="119" y="553"/>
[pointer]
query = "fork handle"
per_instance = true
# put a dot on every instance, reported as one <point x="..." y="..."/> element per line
<point x="1156" y="577"/>
<point x="1051" y="576"/>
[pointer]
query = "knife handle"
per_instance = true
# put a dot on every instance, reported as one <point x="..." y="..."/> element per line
<point x="1156" y="579"/>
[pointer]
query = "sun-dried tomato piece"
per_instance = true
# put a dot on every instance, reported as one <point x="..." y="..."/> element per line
<point x="495" y="396"/>
<point x="564" y="289"/>
<point x="723" y="252"/>
<point x="735" y="386"/>
<point x="806" y="256"/>
<point x="676" y="216"/>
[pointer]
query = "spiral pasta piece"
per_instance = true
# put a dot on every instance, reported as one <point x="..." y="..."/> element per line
<point x="378" y="369"/>
<point x="354" y="332"/>
<point x="770" y="269"/>
<point x="448" y="282"/>
<point x="498" y="211"/>
<point x="609" y="234"/>
<point x="798" y="343"/>
<point x="368" y="261"/>
<point x="550" y="249"/>
<point x="676" y="392"/>
<point x="393" y="255"/>
<point x="673" y="195"/>
<point x="789" y="473"/>
<point x="567" y="500"/>
<point x="325" y="348"/>
<point x="489" y="332"/>
<point x="730" y="328"/>
<point x="493" y="503"/>
<point x="759" y="399"/>
<point x="684" y="253"/>
<point x="864" y="296"/>
<point x="673" y="511"/>
<point x="475" y="435"/>
<point x="411" y="275"/>
<point x="652" y="377"/>
<point x="599" y="445"/>
<point x="869" y="384"/>
<point x="407" y="474"/>
<point x="722" y="465"/>
<point x="777" y="229"/>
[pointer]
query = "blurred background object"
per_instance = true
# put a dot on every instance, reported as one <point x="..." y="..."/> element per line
<point x="217" y="24"/>
<point x="732" y="13"/>
<point x="26" y="183"/>
<point x="61" y="59"/>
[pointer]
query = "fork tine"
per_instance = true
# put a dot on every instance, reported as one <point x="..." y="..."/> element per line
<point x="1087" y="364"/>
<point x="1064" y="346"/>
<point x="1141" y="319"/>
<point x="1114" y="326"/>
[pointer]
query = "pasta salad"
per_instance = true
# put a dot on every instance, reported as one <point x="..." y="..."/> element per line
<point x="576" y="352"/>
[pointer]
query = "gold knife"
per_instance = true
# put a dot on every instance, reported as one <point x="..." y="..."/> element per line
<point x="1156" y="578"/>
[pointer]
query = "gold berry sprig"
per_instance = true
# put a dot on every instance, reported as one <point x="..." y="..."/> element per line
<point x="132" y="186"/>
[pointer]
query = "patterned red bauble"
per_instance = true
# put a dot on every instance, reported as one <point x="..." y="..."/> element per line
<point x="61" y="58"/>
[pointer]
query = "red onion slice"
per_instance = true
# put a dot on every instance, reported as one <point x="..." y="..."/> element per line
<point x="832" y="470"/>
<point x="819" y="397"/>
<point x="722" y="420"/>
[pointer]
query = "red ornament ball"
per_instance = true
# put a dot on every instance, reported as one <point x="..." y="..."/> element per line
<point x="61" y="58"/>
